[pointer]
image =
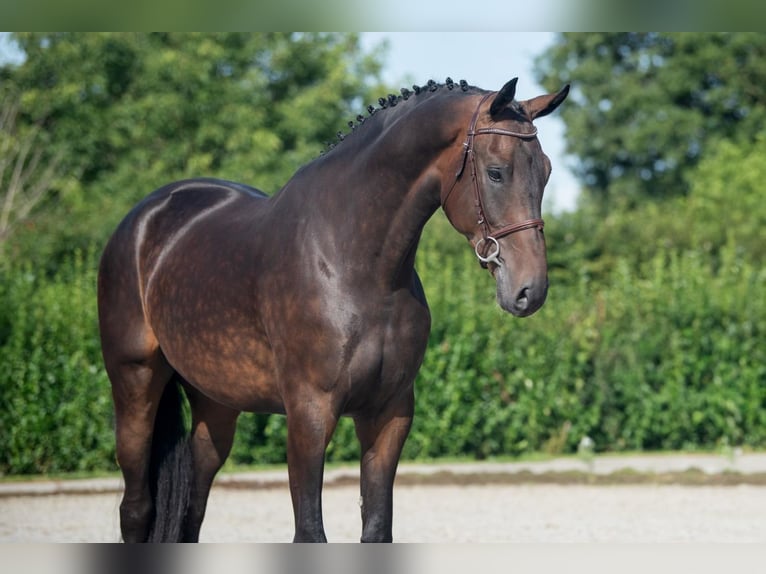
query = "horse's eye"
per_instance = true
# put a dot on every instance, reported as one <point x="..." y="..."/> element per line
<point x="494" y="174"/>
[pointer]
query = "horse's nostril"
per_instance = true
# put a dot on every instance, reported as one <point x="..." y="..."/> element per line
<point x="522" y="299"/>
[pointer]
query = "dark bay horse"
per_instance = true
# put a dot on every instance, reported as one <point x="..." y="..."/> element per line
<point x="307" y="303"/>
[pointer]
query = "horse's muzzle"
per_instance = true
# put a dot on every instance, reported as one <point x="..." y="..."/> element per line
<point x="520" y="301"/>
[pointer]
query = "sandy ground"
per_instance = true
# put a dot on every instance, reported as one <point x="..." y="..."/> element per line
<point x="518" y="513"/>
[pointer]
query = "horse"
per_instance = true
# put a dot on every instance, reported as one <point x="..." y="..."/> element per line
<point x="306" y="303"/>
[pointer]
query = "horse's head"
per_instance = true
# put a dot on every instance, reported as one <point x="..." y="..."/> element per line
<point x="496" y="197"/>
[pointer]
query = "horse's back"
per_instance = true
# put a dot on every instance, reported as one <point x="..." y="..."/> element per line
<point x="158" y="221"/>
<point x="176" y="204"/>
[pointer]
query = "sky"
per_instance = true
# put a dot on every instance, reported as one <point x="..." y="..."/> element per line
<point x="486" y="60"/>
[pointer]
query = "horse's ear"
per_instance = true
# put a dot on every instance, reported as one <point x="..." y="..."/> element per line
<point x="503" y="97"/>
<point x="543" y="105"/>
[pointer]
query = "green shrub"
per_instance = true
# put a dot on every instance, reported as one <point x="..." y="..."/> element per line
<point x="55" y="411"/>
<point x="670" y="354"/>
<point x="667" y="356"/>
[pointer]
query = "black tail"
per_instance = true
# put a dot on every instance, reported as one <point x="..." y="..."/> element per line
<point x="170" y="469"/>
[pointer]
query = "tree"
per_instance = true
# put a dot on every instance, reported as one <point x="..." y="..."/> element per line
<point x="646" y="106"/>
<point x="133" y="111"/>
<point x="725" y="204"/>
<point x="26" y="174"/>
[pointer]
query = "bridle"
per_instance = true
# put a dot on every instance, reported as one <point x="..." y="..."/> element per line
<point x="488" y="235"/>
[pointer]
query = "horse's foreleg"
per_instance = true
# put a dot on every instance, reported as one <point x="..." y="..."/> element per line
<point x="382" y="438"/>
<point x="311" y="421"/>
<point x="213" y="427"/>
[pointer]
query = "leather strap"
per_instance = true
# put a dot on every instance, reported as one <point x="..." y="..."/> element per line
<point x="469" y="157"/>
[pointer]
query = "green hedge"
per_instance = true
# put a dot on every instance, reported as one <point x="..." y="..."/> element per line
<point x="55" y="405"/>
<point x="671" y="355"/>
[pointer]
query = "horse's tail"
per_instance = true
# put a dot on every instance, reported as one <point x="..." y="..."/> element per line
<point x="170" y="468"/>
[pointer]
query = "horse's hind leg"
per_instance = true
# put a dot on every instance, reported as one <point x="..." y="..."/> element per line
<point x="136" y="389"/>
<point x="382" y="438"/>
<point x="139" y="373"/>
<point x="213" y="427"/>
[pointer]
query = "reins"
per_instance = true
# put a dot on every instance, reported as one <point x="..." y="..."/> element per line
<point x="468" y="156"/>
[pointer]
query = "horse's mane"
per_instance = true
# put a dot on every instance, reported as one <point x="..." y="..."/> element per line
<point x="391" y="101"/>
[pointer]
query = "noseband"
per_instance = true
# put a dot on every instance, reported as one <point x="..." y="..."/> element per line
<point x="488" y="235"/>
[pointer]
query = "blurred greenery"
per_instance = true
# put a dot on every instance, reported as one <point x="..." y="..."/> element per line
<point x="646" y="107"/>
<point x="654" y="333"/>
<point x="132" y="111"/>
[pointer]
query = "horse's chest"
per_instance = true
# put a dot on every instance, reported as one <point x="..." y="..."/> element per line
<point x="385" y="359"/>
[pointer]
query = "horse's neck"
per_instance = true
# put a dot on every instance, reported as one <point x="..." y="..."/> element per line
<point x="366" y="201"/>
<point x="399" y="238"/>
<point x="389" y="192"/>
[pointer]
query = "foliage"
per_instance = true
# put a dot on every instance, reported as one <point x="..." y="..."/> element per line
<point x="25" y="173"/>
<point x="723" y="207"/>
<point x="130" y="112"/>
<point x="667" y="355"/>
<point x="55" y="411"/>
<point x="646" y="106"/>
<point x="654" y="332"/>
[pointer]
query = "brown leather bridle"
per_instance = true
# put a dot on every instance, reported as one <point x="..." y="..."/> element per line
<point x="488" y="235"/>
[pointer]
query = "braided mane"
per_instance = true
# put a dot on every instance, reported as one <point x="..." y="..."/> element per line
<point x="391" y="100"/>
